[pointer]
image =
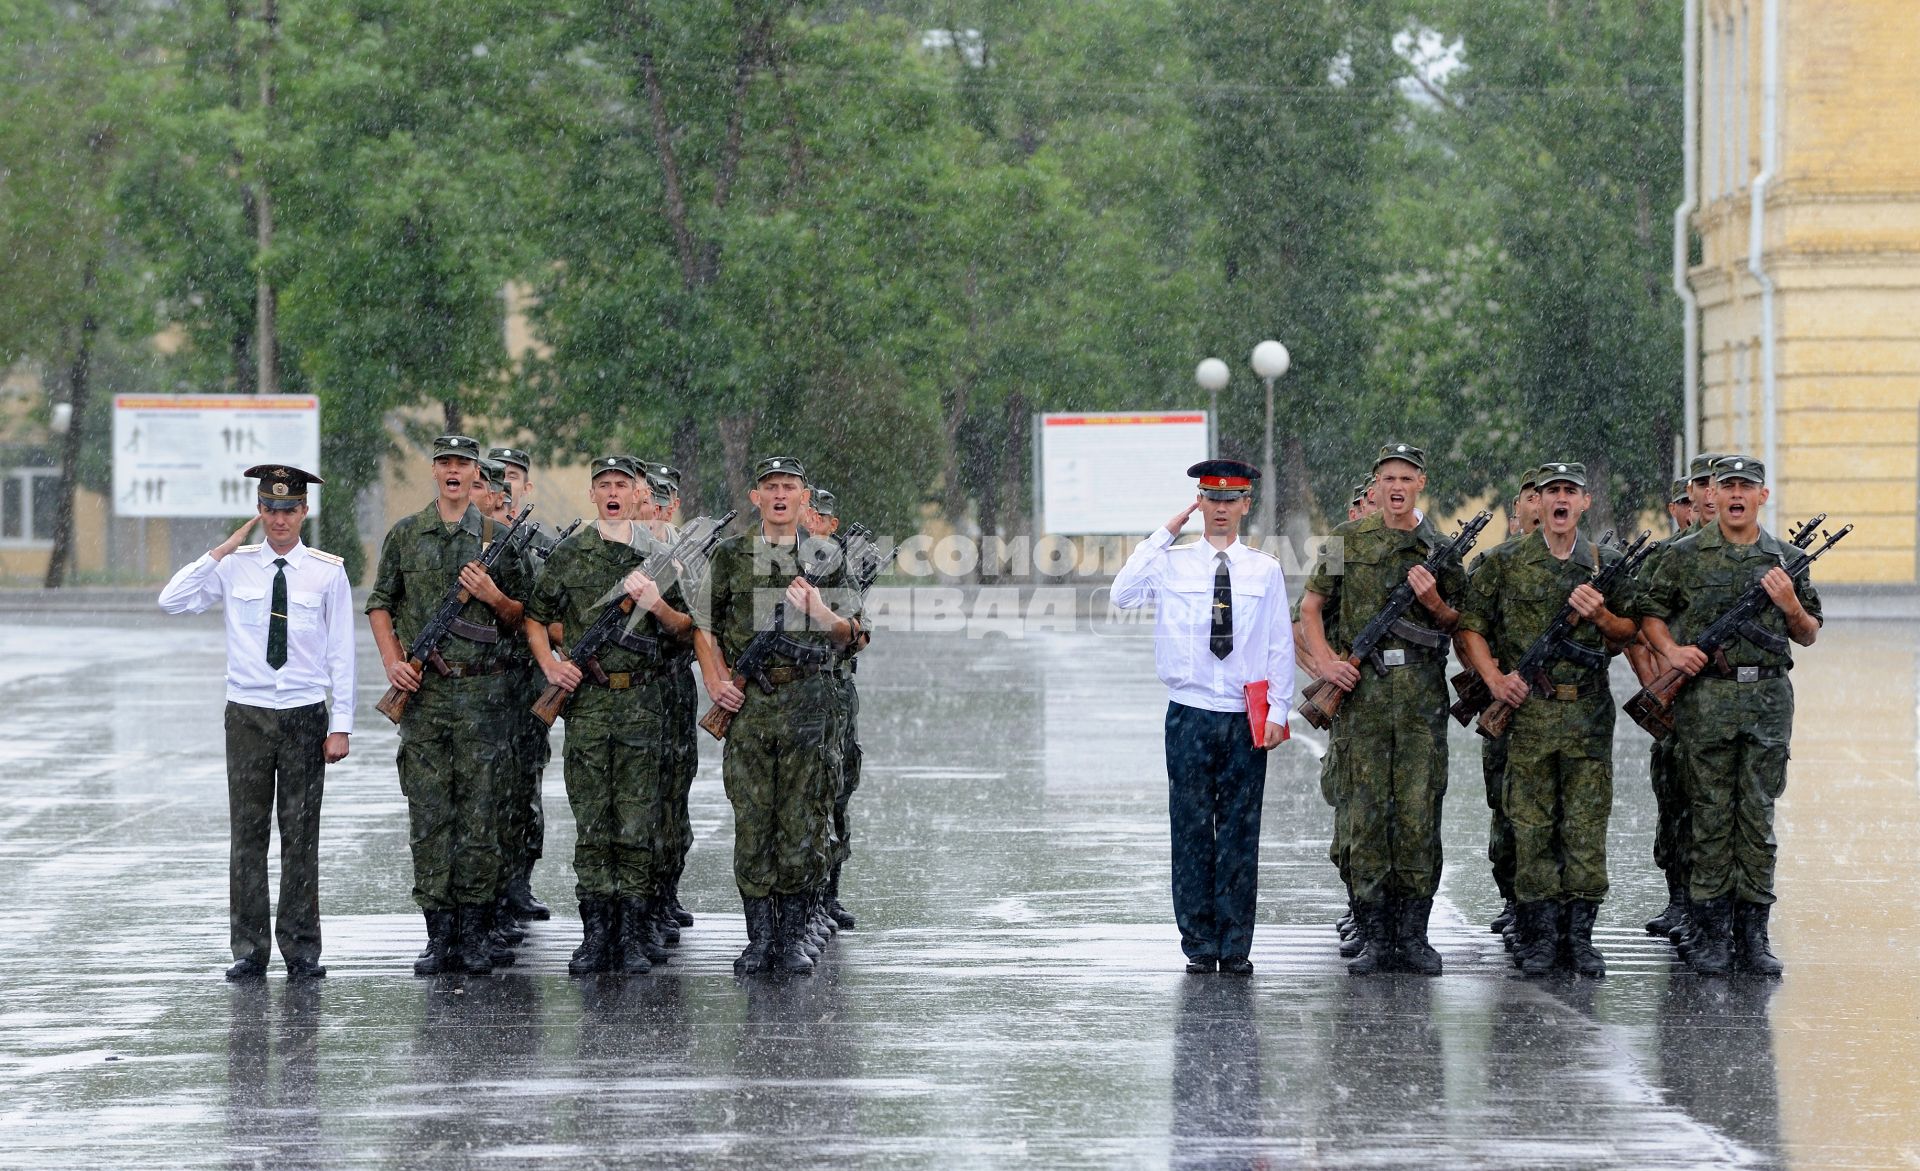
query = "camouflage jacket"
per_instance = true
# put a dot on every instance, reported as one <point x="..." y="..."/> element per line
<point x="1518" y="588"/>
<point x="1376" y="560"/>
<point x="420" y="561"/>
<point x="1700" y="575"/>
<point x="747" y="579"/>
<point x="582" y="579"/>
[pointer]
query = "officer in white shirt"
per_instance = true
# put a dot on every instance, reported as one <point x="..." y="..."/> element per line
<point x="290" y="620"/>
<point x="1220" y="625"/>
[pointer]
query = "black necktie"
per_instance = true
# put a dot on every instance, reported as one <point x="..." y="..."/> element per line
<point x="277" y="624"/>
<point x="1222" y="636"/>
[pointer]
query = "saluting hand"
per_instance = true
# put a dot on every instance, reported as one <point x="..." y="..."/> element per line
<point x="1180" y="518"/>
<point x="238" y="538"/>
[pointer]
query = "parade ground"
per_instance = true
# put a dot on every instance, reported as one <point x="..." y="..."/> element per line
<point x="1013" y="994"/>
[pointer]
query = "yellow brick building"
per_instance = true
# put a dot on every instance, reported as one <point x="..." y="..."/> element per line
<point x="1806" y="207"/>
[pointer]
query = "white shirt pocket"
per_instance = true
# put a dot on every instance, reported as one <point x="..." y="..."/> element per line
<point x="249" y="604"/>
<point x="303" y="612"/>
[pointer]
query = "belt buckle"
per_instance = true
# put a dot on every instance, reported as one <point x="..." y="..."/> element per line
<point x="1394" y="658"/>
<point x="1566" y="692"/>
<point x="1746" y="674"/>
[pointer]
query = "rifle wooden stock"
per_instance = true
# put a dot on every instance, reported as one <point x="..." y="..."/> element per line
<point x="1320" y="701"/>
<point x="719" y="719"/>
<point x="1652" y="706"/>
<point x="393" y="704"/>
<point x="1473" y="696"/>
<point x="551" y="703"/>
<point x="1495" y="719"/>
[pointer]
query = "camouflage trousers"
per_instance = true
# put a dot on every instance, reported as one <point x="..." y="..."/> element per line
<point x="276" y="764"/>
<point x="449" y="775"/>
<point x="1500" y="847"/>
<point x="673" y="836"/>
<point x="518" y="814"/>
<point x="1731" y="746"/>
<point x="1331" y="783"/>
<point x="1670" y="799"/>
<point x="617" y="750"/>
<point x="1559" y="796"/>
<point x="781" y="768"/>
<point x="1391" y="734"/>
<point x="850" y="758"/>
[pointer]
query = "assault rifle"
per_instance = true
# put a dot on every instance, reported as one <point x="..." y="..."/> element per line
<point x="543" y="552"/>
<point x="1556" y="641"/>
<point x="425" y="651"/>
<point x="1471" y="690"/>
<point x="691" y="549"/>
<point x="1652" y="706"/>
<point x="1321" y="700"/>
<point x="756" y="658"/>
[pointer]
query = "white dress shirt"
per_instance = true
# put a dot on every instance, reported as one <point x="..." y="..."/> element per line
<point x="1178" y="581"/>
<point x="320" y="621"/>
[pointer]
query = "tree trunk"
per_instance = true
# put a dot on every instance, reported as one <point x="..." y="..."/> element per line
<point x="1301" y="516"/>
<point x="686" y="457"/>
<point x="79" y="379"/>
<point x="1600" y="517"/>
<point x="266" y="303"/>
<point x="451" y="416"/>
<point x="736" y="449"/>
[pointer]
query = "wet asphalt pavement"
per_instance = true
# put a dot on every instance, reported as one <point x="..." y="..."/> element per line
<point x="1014" y="992"/>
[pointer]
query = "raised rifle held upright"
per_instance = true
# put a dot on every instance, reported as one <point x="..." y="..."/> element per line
<point x="757" y="656"/>
<point x="425" y="650"/>
<point x="1321" y="700"/>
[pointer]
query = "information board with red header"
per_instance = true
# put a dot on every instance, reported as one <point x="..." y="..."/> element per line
<point x="1115" y="472"/>
<point x="183" y="455"/>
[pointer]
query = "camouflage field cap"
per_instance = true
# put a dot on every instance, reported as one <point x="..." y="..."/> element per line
<point x="1529" y="479"/>
<point x="666" y="472"/>
<point x="283" y="487"/>
<point x="1556" y="473"/>
<point x="1701" y="466"/>
<point x="1360" y="492"/>
<point x="824" y="503"/>
<point x="1739" y="467"/>
<point x="1678" y="493"/>
<point x="494" y="473"/>
<point x="1405" y="451"/>
<point x="613" y="463"/>
<point x="778" y="465"/>
<point x="511" y="455"/>
<point x="457" y="445"/>
<point x="657" y="484"/>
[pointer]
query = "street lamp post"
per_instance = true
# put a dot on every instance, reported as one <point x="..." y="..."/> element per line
<point x="1270" y="361"/>
<point x="1212" y="375"/>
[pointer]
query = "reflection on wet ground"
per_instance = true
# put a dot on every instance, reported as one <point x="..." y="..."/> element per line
<point x="1014" y="994"/>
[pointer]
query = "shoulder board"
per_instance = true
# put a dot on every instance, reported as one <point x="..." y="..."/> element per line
<point x="329" y="558"/>
<point x="1273" y="557"/>
<point x="253" y="548"/>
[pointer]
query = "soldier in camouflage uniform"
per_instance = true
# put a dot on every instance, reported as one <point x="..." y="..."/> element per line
<point x="494" y="499"/>
<point x="823" y="520"/>
<point x="1359" y="506"/>
<point x="1493" y="753"/>
<point x="1391" y="730"/>
<point x="448" y="773"/>
<point x="1670" y="833"/>
<point x="531" y="748"/>
<point x="674" y="838"/>
<point x="616" y="746"/>
<point x="781" y="750"/>
<point x="1733" y="724"/>
<point x="1558" y="791"/>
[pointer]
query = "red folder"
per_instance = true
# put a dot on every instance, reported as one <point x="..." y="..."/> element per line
<point x="1257" y="711"/>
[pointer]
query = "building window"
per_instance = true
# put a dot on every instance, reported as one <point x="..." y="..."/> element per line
<point x="29" y="499"/>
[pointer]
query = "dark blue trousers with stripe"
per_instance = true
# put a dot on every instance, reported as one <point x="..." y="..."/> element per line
<point x="1216" y="780"/>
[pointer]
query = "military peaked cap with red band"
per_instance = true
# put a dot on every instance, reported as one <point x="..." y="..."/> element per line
<point x="1224" y="479"/>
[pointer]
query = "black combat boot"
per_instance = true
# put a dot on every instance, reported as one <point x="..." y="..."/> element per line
<point x="435" y="959"/>
<point x="1376" y="955"/>
<point x="520" y="896"/>
<point x="1752" y="951"/>
<point x="680" y="914"/>
<point x="1538" y="941"/>
<point x="669" y="927"/>
<point x="1348" y="925"/>
<point x="505" y="925"/>
<point x="1504" y="919"/>
<point x="762" y="926"/>
<point x="475" y="945"/>
<point x="630" y="946"/>
<point x="1711" y="953"/>
<point x="1585" y="957"/>
<point x="595" y="953"/>
<point x="793" y="931"/>
<point x="1353" y="941"/>
<point x="842" y="918"/>
<point x="1682" y="935"/>
<point x="1664" y="923"/>
<point x="1411" y="951"/>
